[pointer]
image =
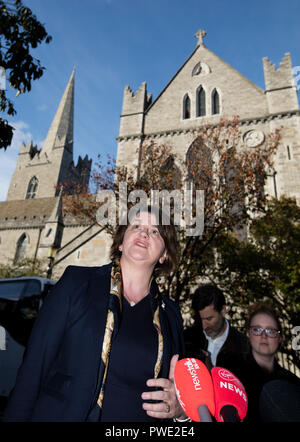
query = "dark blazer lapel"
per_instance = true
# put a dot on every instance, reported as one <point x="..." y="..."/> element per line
<point x="167" y="338"/>
<point x="99" y="288"/>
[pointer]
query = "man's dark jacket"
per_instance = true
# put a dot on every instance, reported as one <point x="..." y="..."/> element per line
<point x="195" y="342"/>
<point x="60" y="377"/>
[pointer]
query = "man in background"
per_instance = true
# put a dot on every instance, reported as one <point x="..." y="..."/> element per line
<point x="212" y="339"/>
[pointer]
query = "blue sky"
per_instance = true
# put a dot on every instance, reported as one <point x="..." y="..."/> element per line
<point x="115" y="43"/>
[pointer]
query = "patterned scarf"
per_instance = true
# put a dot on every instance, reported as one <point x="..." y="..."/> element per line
<point x="113" y="322"/>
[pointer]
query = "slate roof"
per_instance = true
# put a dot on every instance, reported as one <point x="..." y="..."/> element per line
<point x="31" y="213"/>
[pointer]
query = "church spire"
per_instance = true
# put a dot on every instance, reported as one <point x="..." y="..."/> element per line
<point x="60" y="133"/>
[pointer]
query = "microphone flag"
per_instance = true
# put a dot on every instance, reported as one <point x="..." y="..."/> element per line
<point x="230" y="396"/>
<point x="194" y="389"/>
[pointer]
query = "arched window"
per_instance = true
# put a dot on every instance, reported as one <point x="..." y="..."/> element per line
<point x="199" y="165"/>
<point x="21" y="249"/>
<point x="215" y="102"/>
<point x="170" y="174"/>
<point x="32" y="188"/>
<point x="232" y="190"/>
<point x="196" y="70"/>
<point x="186" y="107"/>
<point x="200" y="102"/>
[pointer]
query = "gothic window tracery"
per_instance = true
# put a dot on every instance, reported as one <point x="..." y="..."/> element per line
<point x="172" y="173"/>
<point x="32" y="188"/>
<point x="199" y="164"/>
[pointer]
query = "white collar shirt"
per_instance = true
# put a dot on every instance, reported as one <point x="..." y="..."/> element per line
<point x="215" y="345"/>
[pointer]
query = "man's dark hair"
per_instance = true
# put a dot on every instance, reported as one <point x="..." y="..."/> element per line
<point x="206" y="295"/>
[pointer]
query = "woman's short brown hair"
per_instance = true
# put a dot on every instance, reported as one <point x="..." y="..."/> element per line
<point x="168" y="234"/>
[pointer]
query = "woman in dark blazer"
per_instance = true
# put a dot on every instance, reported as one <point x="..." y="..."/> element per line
<point x="105" y="343"/>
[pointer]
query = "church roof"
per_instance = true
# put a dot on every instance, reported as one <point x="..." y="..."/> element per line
<point x="32" y="213"/>
<point x="33" y="208"/>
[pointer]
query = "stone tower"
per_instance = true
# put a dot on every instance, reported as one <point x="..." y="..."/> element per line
<point x="281" y="91"/>
<point x="35" y="222"/>
<point x="39" y="172"/>
<point x="132" y="122"/>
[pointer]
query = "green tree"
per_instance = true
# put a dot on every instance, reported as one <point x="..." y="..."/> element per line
<point x="20" y="32"/>
<point x="266" y="267"/>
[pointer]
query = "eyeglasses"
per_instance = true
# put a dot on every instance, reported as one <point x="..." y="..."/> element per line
<point x="271" y="332"/>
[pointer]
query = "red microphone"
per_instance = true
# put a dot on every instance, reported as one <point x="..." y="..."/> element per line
<point x="194" y="389"/>
<point x="230" y="396"/>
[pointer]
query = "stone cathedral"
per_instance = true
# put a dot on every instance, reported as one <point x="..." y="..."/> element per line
<point x="205" y="89"/>
<point x="33" y="222"/>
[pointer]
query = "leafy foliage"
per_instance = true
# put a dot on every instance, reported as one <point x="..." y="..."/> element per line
<point x="29" y="267"/>
<point x="20" y="31"/>
<point x="266" y="267"/>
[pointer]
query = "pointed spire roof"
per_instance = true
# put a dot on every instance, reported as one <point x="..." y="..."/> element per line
<point x="60" y="133"/>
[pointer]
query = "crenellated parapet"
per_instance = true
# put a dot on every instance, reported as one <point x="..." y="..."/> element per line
<point x="29" y="151"/>
<point x="83" y="170"/>
<point x="138" y="102"/>
<point x="133" y="109"/>
<point x="281" y="77"/>
<point x="280" y="89"/>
